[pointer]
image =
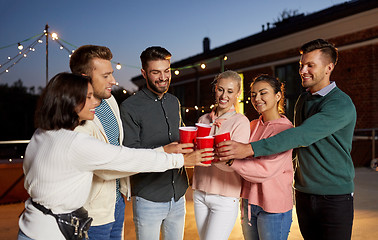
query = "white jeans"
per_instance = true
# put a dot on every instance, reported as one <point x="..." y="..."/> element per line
<point x="215" y="215"/>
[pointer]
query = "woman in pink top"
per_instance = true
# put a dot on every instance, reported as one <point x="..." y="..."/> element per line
<point x="267" y="181"/>
<point x="217" y="187"/>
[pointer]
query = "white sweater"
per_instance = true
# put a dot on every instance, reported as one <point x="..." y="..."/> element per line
<point x="102" y="197"/>
<point x="59" y="167"/>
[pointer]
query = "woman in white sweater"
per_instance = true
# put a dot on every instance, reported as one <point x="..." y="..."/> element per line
<point x="59" y="162"/>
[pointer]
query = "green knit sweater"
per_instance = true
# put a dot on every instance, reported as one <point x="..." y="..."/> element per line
<point x="323" y="136"/>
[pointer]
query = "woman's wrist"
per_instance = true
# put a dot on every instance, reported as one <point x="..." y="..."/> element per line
<point x="230" y="162"/>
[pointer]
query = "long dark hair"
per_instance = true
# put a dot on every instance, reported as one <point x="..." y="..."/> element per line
<point x="60" y="101"/>
<point x="277" y="86"/>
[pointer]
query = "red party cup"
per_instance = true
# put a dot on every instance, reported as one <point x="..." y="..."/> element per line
<point x="203" y="130"/>
<point x="221" y="137"/>
<point x="188" y="134"/>
<point x="205" y="142"/>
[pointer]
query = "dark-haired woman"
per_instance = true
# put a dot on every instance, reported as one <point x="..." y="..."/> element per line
<point x="267" y="181"/>
<point x="59" y="162"/>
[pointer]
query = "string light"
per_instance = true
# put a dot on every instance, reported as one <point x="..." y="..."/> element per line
<point x="22" y="54"/>
<point x="204" y="108"/>
<point x="54" y="36"/>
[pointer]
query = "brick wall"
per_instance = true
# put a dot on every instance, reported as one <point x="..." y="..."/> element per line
<point x="356" y="75"/>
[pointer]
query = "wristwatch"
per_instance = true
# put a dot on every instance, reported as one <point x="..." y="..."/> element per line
<point x="229" y="162"/>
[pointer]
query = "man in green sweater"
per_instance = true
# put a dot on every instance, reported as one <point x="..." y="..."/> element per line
<point x="324" y="120"/>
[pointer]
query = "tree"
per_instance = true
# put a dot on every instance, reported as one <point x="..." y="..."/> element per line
<point x="17" y="108"/>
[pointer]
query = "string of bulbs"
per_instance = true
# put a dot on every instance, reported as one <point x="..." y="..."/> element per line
<point x="23" y="53"/>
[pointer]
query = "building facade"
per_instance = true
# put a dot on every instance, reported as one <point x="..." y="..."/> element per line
<point x="351" y="26"/>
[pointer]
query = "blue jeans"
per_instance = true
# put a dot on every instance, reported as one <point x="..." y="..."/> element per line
<point x="22" y="236"/>
<point x="151" y="217"/>
<point x="325" y="217"/>
<point x="113" y="230"/>
<point x="265" y="225"/>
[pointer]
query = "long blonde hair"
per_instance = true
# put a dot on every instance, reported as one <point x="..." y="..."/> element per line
<point x="231" y="75"/>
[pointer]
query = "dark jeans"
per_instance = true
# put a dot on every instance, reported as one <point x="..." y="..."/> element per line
<point x="323" y="217"/>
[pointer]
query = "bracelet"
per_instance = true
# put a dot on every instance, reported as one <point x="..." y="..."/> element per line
<point x="229" y="162"/>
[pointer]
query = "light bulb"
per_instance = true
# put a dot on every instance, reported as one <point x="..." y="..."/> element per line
<point x="54" y="36"/>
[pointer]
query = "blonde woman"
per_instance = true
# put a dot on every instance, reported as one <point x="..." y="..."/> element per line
<point x="217" y="187"/>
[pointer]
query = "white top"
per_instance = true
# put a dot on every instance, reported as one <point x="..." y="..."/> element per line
<point x="102" y="197"/>
<point x="59" y="167"/>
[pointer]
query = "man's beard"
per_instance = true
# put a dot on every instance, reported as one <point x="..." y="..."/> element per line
<point x="156" y="89"/>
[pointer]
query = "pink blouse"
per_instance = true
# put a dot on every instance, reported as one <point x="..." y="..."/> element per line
<point x="219" y="178"/>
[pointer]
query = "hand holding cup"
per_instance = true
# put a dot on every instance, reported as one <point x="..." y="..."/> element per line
<point x="205" y="142"/>
<point x="176" y="147"/>
<point x="197" y="157"/>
